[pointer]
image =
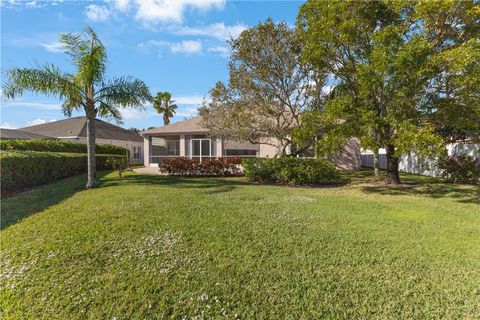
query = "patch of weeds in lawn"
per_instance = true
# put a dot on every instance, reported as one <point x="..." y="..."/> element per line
<point x="161" y="253"/>
<point x="81" y="280"/>
<point x="12" y="274"/>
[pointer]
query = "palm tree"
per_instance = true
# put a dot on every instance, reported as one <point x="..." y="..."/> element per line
<point x="85" y="90"/>
<point x="163" y="103"/>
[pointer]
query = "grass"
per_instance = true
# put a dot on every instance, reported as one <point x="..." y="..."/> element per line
<point x="148" y="247"/>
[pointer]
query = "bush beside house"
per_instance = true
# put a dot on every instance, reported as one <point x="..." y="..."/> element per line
<point x="290" y="170"/>
<point x="58" y="146"/>
<point x="208" y="167"/>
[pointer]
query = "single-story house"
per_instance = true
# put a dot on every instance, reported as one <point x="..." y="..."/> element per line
<point x="74" y="129"/>
<point x="190" y="139"/>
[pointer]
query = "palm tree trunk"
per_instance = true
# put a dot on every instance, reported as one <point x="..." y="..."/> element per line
<point x="166" y="120"/>
<point x="91" y="183"/>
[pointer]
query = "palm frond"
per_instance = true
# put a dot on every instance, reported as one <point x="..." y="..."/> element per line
<point x="158" y="106"/>
<point x="46" y="79"/>
<point x="73" y="44"/>
<point x="110" y="112"/>
<point x="70" y="104"/>
<point x="88" y="55"/>
<point x="123" y="92"/>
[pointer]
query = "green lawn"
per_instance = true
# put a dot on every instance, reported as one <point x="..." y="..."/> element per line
<point x="148" y="247"/>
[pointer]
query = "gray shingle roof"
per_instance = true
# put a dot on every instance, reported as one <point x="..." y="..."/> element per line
<point x="19" y="134"/>
<point x="76" y="127"/>
<point x="193" y="125"/>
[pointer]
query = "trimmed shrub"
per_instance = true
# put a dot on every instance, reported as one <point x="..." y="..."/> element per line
<point x="24" y="169"/>
<point x="58" y="146"/>
<point x="117" y="163"/>
<point x="460" y="169"/>
<point x="290" y="170"/>
<point x="208" y="167"/>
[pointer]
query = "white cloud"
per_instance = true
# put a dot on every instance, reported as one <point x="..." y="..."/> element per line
<point x="216" y="30"/>
<point x="223" y="51"/>
<point x="186" y="112"/>
<point x="151" y="11"/>
<point x="121" y="5"/>
<point x="7" y="125"/>
<point x="187" y="46"/>
<point x="55" y="47"/>
<point x="39" y="121"/>
<point x="191" y="99"/>
<point x="97" y="13"/>
<point x="133" y="114"/>
<point x="34" y="105"/>
<point x="31" y="4"/>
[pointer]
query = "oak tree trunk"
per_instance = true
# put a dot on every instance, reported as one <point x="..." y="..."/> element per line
<point x="392" y="165"/>
<point x="376" y="163"/>
<point x="91" y="183"/>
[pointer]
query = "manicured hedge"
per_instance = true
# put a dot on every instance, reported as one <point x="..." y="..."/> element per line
<point x="290" y="170"/>
<point x="208" y="167"/>
<point x="57" y="146"/>
<point x="24" y="169"/>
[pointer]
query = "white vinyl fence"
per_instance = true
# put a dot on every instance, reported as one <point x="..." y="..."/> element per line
<point x="412" y="163"/>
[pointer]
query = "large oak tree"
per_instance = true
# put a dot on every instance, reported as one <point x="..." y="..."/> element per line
<point x="406" y="73"/>
<point x="268" y="90"/>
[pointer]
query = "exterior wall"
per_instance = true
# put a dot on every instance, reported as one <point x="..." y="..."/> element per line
<point x="182" y="145"/>
<point x="121" y="143"/>
<point x="219" y="147"/>
<point x="415" y="164"/>
<point x="146" y="151"/>
<point x="349" y="158"/>
<point x="268" y="150"/>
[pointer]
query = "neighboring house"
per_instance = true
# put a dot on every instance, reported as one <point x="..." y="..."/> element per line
<point x="190" y="139"/>
<point x="14" y="134"/>
<point x="74" y="129"/>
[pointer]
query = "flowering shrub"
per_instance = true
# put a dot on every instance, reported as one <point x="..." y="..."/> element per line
<point x="463" y="169"/>
<point x="208" y="167"/>
<point x="289" y="170"/>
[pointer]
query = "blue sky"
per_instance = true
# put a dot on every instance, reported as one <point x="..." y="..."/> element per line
<point x="173" y="45"/>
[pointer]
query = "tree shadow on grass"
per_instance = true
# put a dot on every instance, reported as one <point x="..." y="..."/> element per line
<point x="212" y="185"/>
<point x="461" y="194"/>
<point x="416" y="185"/>
<point x="19" y="206"/>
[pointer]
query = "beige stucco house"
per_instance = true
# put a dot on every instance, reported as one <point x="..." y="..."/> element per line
<point x="74" y="129"/>
<point x="190" y="139"/>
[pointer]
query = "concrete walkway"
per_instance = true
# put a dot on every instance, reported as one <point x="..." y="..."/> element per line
<point x="149" y="170"/>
